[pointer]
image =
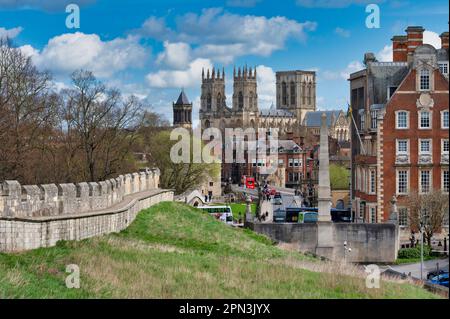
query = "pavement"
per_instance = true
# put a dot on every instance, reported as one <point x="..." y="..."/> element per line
<point x="414" y="269"/>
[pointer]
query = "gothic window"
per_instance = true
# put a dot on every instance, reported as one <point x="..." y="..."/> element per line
<point x="208" y="102"/>
<point x="219" y="100"/>
<point x="241" y="100"/>
<point x="293" y="95"/>
<point x="284" y="93"/>
<point x="207" y="124"/>
<point x="309" y="93"/>
<point x="251" y="99"/>
<point x="304" y="93"/>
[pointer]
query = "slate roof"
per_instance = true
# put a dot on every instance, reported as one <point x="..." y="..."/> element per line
<point x="273" y="111"/>
<point x="182" y="99"/>
<point x="314" y="119"/>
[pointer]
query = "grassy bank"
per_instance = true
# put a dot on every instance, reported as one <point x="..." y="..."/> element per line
<point x="174" y="251"/>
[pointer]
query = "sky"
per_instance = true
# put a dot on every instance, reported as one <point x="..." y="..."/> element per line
<point x="153" y="49"/>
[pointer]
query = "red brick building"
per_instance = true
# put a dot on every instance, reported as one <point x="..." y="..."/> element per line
<point x="400" y="143"/>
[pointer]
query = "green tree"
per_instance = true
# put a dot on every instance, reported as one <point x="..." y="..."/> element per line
<point x="178" y="176"/>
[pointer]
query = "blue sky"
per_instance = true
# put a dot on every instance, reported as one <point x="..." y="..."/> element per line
<point x="154" y="48"/>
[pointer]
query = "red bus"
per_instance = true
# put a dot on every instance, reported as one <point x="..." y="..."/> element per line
<point x="249" y="182"/>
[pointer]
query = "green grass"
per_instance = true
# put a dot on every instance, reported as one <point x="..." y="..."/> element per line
<point x="239" y="209"/>
<point x="402" y="261"/>
<point x="175" y="251"/>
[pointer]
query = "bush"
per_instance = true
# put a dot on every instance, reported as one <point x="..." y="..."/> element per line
<point x="413" y="253"/>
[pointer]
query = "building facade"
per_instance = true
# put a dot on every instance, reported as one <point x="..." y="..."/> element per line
<point x="400" y="142"/>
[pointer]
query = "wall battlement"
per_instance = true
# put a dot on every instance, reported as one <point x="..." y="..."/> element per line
<point x="17" y="201"/>
<point x="34" y="216"/>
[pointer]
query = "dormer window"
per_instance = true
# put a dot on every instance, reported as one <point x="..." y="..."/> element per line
<point x="424" y="80"/>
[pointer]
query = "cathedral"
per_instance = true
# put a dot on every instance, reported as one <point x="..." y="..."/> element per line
<point x="296" y="95"/>
<point x="294" y="114"/>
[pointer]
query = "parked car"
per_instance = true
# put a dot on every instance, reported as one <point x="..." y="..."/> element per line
<point x="277" y="201"/>
<point x="440" y="280"/>
<point x="277" y="195"/>
<point x="435" y="273"/>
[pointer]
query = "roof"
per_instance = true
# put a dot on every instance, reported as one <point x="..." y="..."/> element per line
<point x="314" y="119"/>
<point x="275" y="112"/>
<point x="182" y="99"/>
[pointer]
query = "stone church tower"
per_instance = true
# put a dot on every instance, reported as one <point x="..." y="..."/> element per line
<point x="213" y="94"/>
<point x="245" y="96"/>
<point x="296" y="92"/>
<point x="182" y="112"/>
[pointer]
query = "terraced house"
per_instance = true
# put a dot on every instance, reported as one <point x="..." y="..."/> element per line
<point x="402" y="119"/>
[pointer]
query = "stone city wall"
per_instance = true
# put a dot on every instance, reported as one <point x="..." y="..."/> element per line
<point x="39" y="216"/>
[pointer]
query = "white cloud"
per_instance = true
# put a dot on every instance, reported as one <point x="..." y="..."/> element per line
<point x="266" y="78"/>
<point x="344" y="74"/>
<point x="214" y="33"/>
<point x="342" y="32"/>
<point x="175" y="55"/>
<point x="189" y="77"/>
<point x="385" y="55"/>
<point x="10" y="33"/>
<point x="430" y="37"/>
<point x="68" y="52"/>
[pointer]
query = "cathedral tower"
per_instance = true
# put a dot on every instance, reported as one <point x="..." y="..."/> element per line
<point x="245" y="95"/>
<point x="296" y="92"/>
<point x="213" y="91"/>
<point x="182" y="112"/>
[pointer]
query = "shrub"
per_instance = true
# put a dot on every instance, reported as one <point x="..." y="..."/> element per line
<point x="413" y="253"/>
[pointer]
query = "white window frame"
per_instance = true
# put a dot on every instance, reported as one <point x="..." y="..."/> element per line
<point x="429" y="79"/>
<point x="443" y="66"/>
<point x="372" y="182"/>
<point x="430" y="120"/>
<point x="403" y="225"/>
<point x="442" y="119"/>
<point x="373" y="214"/>
<point x="396" y="120"/>
<point x="373" y="119"/>
<point x="443" y="171"/>
<point x="397" y="181"/>
<point x="443" y="151"/>
<point x="291" y="162"/>
<point x="397" y="151"/>
<point x="430" y="180"/>
<point x="430" y="143"/>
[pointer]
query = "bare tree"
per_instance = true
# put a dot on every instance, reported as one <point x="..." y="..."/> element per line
<point x="27" y="113"/>
<point x="100" y="123"/>
<point x="430" y="210"/>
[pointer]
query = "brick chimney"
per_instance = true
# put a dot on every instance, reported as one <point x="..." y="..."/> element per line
<point x="399" y="48"/>
<point x="444" y="40"/>
<point x="414" y="38"/>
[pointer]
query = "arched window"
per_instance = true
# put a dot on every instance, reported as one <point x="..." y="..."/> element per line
<point x="309" y="94"/>
<point x="304" y="93"/>
<point x="208" y="102"/>
<point x="207" y="124"/>
<point x="251" y="100"/>
<point x="293" y="94"/>
<point x="219" y="100"/>
<point x="284" y="93"/>
<point x="241" y="100"/>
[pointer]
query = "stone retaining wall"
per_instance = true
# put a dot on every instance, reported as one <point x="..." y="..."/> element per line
<point x="369" y="243"/>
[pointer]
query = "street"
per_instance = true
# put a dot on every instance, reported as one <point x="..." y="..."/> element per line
<point x="414" y="269"/>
